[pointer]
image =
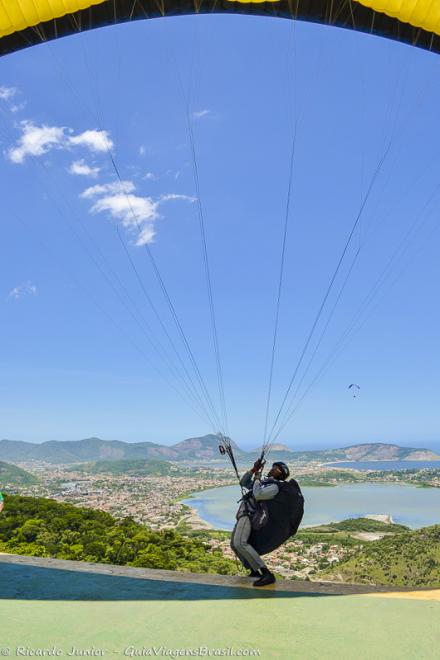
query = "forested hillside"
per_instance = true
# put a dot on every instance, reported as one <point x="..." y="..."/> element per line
<point x="11" y="475"/>
<point x="409" y="558"/>
<point x="46" y="528"/>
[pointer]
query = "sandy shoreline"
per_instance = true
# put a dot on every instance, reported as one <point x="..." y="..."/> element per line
<point x="193" y="519"/>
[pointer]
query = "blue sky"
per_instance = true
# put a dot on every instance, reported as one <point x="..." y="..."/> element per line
<point x="75" y="358"/>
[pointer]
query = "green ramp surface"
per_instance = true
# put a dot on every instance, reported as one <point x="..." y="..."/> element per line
<point x="53" y="608"/>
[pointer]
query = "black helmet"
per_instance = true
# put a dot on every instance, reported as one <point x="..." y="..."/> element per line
<point x="283" y="467"/>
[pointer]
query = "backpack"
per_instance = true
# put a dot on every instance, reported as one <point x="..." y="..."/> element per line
<point x="278" y="519"/>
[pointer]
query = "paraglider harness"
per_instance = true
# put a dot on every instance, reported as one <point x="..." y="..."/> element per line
<point x="277" y="519"/>
<point x="253" y="509"/>
<point x="273" y="521"/>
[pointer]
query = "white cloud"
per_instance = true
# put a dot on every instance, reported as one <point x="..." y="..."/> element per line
<point x="6" y="93"/>
<point x="36" y="141"/>
<point x="146" y="235"/>
<point x="176" y="196"/>
<point x="150" y="176"/>
<point x="93" y="140"/>
<point x="198" y="114"/>
<point x="9" y="96"/>
<point x="18" y="107"/>
<point x="81" y="168"/>
<point x="173" y="173"/>
<point x="129" y="208"/>
<point x="25" y="289"/>
<point x="114" y="188"/>
<point x="136" y="213"/>
<point x="142" y="150"/>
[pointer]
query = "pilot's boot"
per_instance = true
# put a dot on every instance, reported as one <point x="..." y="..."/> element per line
<point x="266" y="578"/>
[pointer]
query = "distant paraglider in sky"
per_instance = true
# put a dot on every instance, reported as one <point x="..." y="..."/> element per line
<point x="355" y="389"/>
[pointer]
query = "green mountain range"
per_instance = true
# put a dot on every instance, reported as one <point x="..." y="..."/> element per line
<point x="197" y="449"/>
<point x="95" y="449"/>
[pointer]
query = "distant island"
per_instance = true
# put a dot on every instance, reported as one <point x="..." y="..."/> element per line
<point x="204" y="448"/>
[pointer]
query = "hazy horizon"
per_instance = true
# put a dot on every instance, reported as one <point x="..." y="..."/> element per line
<point x="299" y="446"/>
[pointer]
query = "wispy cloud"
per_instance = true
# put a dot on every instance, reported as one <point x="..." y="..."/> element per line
<point x="150" y="176"/>
<point x="18" y="107"/>
<point x="80" y="168"/>
<point x="175" y="174"/>
<point x="38" y="140"/>
<point x="93" y="140"/>
<point x="129" y="208"/>
<point x="175" y="196"/>
<point x="199" y="114"/>
<point x="113" y="188"/>
<point x="7" y="93"/>
<point x="9" y="96"/>
<point x="22" y="290"/>
<point x="136" y="212"/>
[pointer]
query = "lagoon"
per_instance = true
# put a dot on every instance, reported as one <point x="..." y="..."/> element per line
<point x="407" y="505"/>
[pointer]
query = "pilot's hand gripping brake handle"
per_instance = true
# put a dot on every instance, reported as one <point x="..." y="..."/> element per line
<point x="258" y="466"/>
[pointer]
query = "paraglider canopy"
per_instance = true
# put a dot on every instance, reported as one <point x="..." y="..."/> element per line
<point x="23" y="24"/>
<point x="354" y="388"/>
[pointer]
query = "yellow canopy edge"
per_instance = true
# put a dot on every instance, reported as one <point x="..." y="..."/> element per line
<point x="16" y="15"/>
<point x="423" y="14"/>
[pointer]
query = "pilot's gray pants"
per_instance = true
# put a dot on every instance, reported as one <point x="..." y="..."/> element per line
<point x="239" y="544"/>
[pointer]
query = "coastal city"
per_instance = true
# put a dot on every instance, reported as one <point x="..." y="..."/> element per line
<point x="155" y="500"/>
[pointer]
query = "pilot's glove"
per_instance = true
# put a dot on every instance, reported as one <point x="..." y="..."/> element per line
<point x="258" y="466"/>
